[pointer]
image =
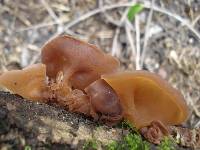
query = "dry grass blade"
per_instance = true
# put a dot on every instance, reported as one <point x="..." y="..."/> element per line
<point x="146" y="35"/>
<point x="50" y="11"/>
<point x="146" y="4"/>
<point x="196" y="20"/>
<point x="115" y="50"/>
<point x="184" y="21"/>
<point x="130" y="38"/>
<point x="137" y="30"/>
<point x="107" y="16"/>
<point x="53" y="15"/>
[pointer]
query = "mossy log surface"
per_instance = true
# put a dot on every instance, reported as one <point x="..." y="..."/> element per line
<point x="41" y="126"/>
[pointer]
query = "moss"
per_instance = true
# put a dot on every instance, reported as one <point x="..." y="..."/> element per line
<point x="27" y="147"/>
<point x="132" y="141"/>
<point x="167" y="144"/>
<point x="112" y="146"/>
<point x="125" y="124"/>
<point x="90" y="145"/>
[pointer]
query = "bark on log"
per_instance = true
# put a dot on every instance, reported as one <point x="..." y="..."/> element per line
<point x="23" y="122"/>
<point x="42" y="126"/>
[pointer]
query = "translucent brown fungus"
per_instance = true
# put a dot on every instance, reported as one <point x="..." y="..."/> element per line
<point x="105" y="103"/>
<point x="29" y="83"/>
<point x="155" y="132"/>
<point x="75" y="101"/>
<point x="81" y="62"/>
<point x="83" y="79"/>
<point x="98" y="100"/>
<point x="146" y="97"/>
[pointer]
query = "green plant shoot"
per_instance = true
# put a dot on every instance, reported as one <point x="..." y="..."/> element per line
<point x="134" y="10"/>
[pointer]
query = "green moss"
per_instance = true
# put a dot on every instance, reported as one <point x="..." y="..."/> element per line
<point x="167" y="144"/>
<point x="135" y="142"/>
<point x="90" y="145"/>
<point x="27" y="147"/>
<point x="132" y="141"/>
<point x="112" y="146"/>
<point x="125" y="124"/>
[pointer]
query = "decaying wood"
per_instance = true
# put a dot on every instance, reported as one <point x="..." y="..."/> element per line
<point x="23" y="123"/>
<point x="186" y="137"/>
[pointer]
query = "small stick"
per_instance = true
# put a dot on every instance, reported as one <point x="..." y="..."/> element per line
<point x="146" y="37"/>
<point x="137" y="30"/>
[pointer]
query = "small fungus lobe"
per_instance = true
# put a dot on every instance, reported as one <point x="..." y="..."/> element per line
<point x="155" y="132"/>
<point x="28" y="83"/>
<point x="105" y="102"/>
<point x="146" y="97"/>
<point x="82" y="63"/>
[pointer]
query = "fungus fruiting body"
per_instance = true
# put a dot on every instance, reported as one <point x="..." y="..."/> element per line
<point x="97" y="100"/>
<point x="28" y="83"/>
<point x="82" y="63"/>
<point x="105" y="102"/>
<point x="81" y="78"/>
<point x="145" y="97"/>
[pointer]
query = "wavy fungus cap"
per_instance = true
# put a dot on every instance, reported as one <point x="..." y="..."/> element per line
<point x="81" y="62"/>
<point x="28" y="83"/>
<point x="146" y="97"/>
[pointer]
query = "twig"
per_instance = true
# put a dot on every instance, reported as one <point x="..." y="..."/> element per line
<point x="197" y="125"/>
<point x="130" y="38"/>
<point x="57" y="21"/>
<point x="115" y="43"/>
<point x="38" y="26"/>
<point x="115" y="39"/>
<point x="195" y="20"/>
<point x="137" y="30"/>
<point x="194" y="108"/>
<point x="50" y="11"/>
<point x="108" y="17"/>
<point x="147" y="33"/>
<point x="114" y="51"/>
<point x="53" y="15"/>
<point x="146" y="4"/>
<point x="177" y="17"/>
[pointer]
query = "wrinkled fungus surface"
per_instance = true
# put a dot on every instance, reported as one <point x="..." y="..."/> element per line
<point x="155" y="132"/>
<point x="146" y="97"/>
<point x="82" y="63"/>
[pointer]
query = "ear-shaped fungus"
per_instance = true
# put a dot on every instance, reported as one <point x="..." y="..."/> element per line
<point x="105" y="103"/>
<point x="145" y="97"/>
<point x="28" y="83"/>
<point x="99" y="101"/>
<point x="81" y="62"/>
